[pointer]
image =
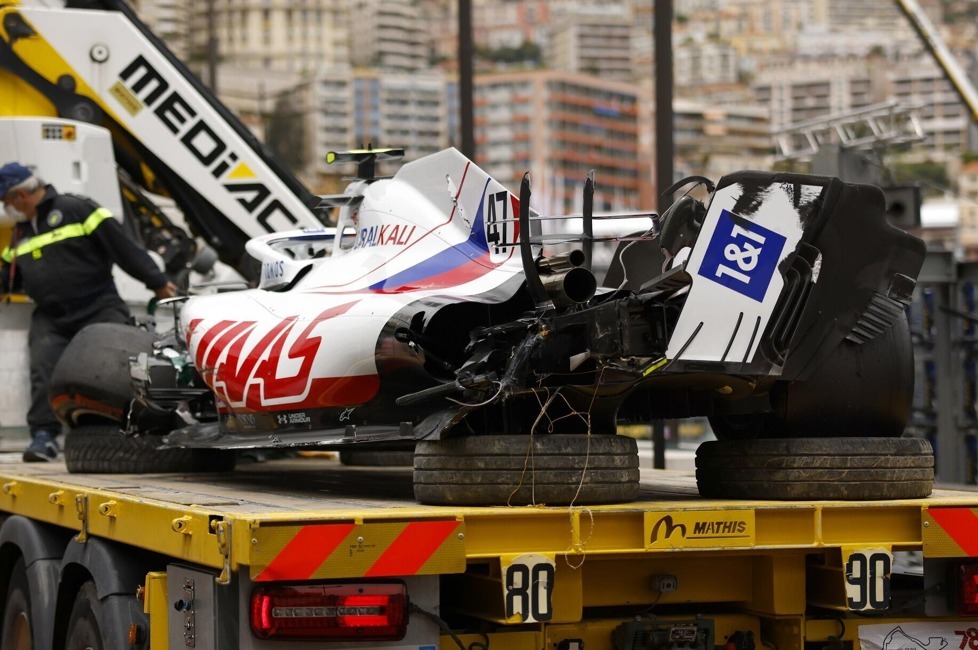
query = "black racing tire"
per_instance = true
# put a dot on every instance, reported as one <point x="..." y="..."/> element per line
<point x="848" y="469"/>
<point x="863" y="390"/>
<point x="501" y="470"/>
<point x="16" y="632"/>
<point x="387" y="458"/>
<point x="103" y="449"/>
<point x="84" y="631"/>
<point x="92" y="375"/>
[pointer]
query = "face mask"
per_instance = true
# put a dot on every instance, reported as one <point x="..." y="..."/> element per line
<point x="11" y="215"/>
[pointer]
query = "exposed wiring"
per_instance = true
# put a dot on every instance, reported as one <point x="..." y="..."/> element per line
<point x="578" y="547"/>
<point x="587" y="455"/>
<point x="649" y="609"/>
<point x="577" y="543"/>
<point x="621" y="256"/>
<point x="902" y="606"/>
<point x="550" y="420"/>
<point x="835" y="640"/>
<point x="444" y="627"/>
<point x="485" y="403"/>
<point x="528" y="461"/>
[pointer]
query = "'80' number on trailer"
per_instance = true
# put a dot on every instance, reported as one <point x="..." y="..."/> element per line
<point x="528" y="583"/>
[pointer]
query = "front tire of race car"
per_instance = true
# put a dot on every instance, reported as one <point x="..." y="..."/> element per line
<point x="91" y="380"/>
<point x="494" y="470"/>
<point x="103" y="449"/>
<point x="816" y="468"/>
<point x="860" y="390"/>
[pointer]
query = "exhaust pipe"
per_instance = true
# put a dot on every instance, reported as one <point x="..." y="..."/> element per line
<point x="573" y="286"/>
<point x="561" y="262"/>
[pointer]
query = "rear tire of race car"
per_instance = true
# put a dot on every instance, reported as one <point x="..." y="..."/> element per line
<point x="92" y="376"/>
<point x="103" y="449"/>
<point x="860" y="390"/>
<point x="526" y="470"/>
<point x="848" y="469"/>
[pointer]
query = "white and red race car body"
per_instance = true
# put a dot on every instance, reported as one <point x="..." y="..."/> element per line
<point x="439" y="232"/>
<point x="427" y="312"/>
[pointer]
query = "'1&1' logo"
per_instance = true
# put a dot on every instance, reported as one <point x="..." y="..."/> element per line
<point x="742" y="256"/>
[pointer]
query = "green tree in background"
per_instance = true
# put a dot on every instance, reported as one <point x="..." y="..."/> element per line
<point x="285" y="133"/>
<point x="932" y="176"/>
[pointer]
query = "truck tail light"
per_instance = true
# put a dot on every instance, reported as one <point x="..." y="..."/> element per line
<point x="353" y="611"/>
<point x="968" y="597"/>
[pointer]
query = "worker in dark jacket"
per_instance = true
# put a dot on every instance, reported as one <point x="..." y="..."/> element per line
<point x="61" y="255"/>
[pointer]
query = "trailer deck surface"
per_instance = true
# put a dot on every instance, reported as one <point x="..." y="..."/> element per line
<point x="240" y="517"/>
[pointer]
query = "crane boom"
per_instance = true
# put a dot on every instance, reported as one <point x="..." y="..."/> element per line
<point x="94" y="61"/>
<point x="942" y="54"/>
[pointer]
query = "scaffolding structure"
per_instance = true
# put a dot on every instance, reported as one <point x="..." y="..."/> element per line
<point x="881" y="125"/>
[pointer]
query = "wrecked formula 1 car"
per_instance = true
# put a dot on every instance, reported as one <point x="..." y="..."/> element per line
<point x="434" y="317"/>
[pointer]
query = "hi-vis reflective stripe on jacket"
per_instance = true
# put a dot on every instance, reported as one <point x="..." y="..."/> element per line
<point x="69" y="231"/>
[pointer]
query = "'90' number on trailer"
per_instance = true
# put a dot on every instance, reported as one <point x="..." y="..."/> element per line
<point x="867" y="575"/>
<point x="528" y="584"/>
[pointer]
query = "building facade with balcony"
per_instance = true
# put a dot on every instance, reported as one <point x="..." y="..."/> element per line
<point x="381" y="109"/>
<point x="294" y="36"/>
<point x="713" y="141"/>
<point x="559" y="126"/>
<point x="390" y="35"/>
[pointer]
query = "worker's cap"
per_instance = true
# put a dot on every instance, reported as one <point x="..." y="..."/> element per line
<point x="11" y="175"/>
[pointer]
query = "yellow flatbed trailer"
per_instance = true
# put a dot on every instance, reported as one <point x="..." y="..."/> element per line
<point x="190" y="561"/>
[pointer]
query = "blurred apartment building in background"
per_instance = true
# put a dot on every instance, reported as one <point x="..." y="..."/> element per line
<point x="566" y="85"/>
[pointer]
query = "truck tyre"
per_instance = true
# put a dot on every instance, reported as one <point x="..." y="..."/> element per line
<point x="102" y="449"/>
<point x="17" y="633"/>
<point x="92" y="376"/>
<point x="816" y="468"/>
<point x="84" y="631"/>
<point x="860" y="390"/>
<point x="521" y="470"/>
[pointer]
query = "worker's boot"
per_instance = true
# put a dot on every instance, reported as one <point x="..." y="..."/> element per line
<point x="43" y="448"/>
